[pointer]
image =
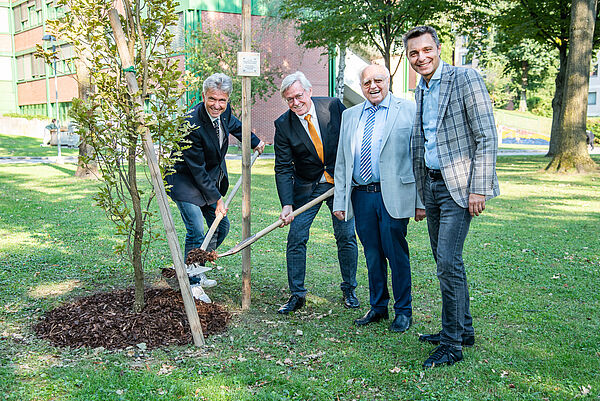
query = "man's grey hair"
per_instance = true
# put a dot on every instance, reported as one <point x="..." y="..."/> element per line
<point x="420" y="31"/>
<point x="295" y="77"/>
<point x="218" y="81"/>
<point x="362" y="70"/>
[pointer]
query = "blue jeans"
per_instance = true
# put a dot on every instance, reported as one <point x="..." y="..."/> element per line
<point x="448" y="225"/>
<point x="193" y="217"/>
<point x="384" y="240"/>
<point x="345" y="238"/>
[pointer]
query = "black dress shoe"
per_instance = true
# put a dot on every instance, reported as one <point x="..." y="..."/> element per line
<point x="371" y="317"/>
<point x="467" y="340"/>
<point x="294" y="303"/>
<point x="350" y="300"/>
<point x="401" y="323"/>
<point x="443" y="355"/>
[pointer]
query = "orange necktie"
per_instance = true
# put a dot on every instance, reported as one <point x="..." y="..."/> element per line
<point x="318" y="145"/>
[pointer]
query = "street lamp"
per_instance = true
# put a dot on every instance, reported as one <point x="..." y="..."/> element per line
<point x="52" y="40"/>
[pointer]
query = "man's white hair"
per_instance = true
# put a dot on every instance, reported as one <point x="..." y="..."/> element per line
<point x="295" y="77"/>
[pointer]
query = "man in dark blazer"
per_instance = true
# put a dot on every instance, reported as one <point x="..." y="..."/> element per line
<point x="306" y="140"/>
<point x="200" y="179"/>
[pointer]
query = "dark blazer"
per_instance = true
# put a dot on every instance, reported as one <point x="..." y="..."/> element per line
<point x="298" y="168"/>
<point x="201" y="176"/>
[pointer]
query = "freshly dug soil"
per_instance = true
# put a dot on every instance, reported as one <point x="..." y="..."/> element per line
<point x="201" y="256"/>
<point x="107" y="320"/>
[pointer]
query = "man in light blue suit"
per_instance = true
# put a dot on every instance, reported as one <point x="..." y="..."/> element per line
<point x="375" y="184"/>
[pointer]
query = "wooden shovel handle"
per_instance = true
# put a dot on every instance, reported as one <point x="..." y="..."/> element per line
<point x="250" y="240"/>
<point x="220" y="216"/>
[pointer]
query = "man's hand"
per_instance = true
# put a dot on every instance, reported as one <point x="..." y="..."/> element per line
<point x="221" y="208"/>
<point x="260" y="147"/>
<point x="476" y="204"/>
<point x="420" y="214"/>
<point x="340" y="214"/>
<point x="286" y="211"/>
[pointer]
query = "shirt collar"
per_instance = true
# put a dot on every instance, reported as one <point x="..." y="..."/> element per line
<point x="437" y="75"/>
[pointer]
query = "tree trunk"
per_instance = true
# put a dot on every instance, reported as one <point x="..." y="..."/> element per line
<point x="138" y="228"/>
<point x="557" y="101"/>
<point x="86" y="164"/>
<point x="339" y="80"/>
<point x="571" y="153"/>
<point x="524" y="83"/>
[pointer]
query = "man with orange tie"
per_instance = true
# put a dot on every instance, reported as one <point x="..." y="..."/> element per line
<point x="306" y="141"/>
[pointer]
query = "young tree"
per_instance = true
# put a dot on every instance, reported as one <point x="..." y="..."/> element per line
<point x="108" y="120"/>
<point x="571" y="152"/>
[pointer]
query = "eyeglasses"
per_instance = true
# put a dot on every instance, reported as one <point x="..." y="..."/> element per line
<point x="298" y="97"/>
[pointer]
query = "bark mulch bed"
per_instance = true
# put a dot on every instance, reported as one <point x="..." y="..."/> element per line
<point x="107" y="320"/>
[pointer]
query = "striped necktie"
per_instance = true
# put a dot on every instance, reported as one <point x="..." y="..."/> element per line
<point x="366" y="170"/>
<point x="217" y="128"/>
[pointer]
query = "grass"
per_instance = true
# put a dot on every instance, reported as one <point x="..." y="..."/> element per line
<point x="532" y="260"/>
<point x="21" y="145"/>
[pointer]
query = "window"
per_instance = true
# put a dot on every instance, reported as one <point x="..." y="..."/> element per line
<point x="466" y="58"/>
<point x="592" y="98"/>
<point x="594" y="70"/>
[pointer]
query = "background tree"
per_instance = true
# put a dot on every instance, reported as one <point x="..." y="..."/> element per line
<point x="547" y="22"/>
<point x="378" y="23"/>
<point x="213" y="51"/>
<point x="107" y="119"/>
<point x="572" y="150"/>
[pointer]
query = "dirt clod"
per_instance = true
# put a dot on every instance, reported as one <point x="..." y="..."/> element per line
<point x="107" y="320"/>
<point x="201" y="256"/>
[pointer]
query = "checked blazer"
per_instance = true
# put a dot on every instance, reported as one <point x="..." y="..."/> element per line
<point x="467" y="141"/>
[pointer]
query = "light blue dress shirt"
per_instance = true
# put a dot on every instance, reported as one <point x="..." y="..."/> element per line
<point x="431" y="101"/>
<point x="378" y="131"/>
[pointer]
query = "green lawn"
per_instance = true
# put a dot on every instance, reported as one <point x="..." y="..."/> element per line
<point x="532" y="260"/>
<point x="21" y="145"/>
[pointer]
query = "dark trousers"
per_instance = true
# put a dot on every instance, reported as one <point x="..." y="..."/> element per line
<point x="448" y="225"/>
<point x="384" y="240"/>
<point x="298" y="237"/>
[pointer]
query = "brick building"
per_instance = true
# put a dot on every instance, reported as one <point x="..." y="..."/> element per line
<point x="27" y="83"/>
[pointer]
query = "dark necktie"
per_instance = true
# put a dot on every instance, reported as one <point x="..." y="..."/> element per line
<point x="218" y="130"/>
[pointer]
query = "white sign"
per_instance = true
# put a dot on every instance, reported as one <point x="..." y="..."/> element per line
<point x="248" y="64"/>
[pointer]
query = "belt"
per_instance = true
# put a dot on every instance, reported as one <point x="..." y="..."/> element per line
<point x="372" y="187"/>
<point x="435" y="174"/>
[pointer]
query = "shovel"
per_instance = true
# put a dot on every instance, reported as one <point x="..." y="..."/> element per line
<point x="218" y="218"/>
<point x="250" y="240"/>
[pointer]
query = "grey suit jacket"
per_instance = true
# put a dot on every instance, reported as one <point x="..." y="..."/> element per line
<point x="395" y="164"/>
<point x="467" y="141"/>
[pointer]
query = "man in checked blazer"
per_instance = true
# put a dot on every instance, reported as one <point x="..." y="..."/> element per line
<point x="306" y="139"/>
<point x="374" y="183"/>
<point x="454" y="147"/>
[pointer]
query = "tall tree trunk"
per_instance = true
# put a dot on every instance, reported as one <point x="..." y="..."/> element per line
<point x="138" y="228"/>
<point x="524" y="83"/>
<point x="86" y="163"/>
<point x="572" y="151"/>
<point x="339" y="80"/>
<point x="557" y="101"/>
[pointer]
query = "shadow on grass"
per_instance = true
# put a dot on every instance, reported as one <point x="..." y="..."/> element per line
<point x="531" y="260"/>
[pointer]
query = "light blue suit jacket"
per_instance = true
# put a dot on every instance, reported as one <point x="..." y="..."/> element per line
<point x="398" y="187"/>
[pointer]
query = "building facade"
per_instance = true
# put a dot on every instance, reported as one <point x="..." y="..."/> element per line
<point x="28" y="83"/>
